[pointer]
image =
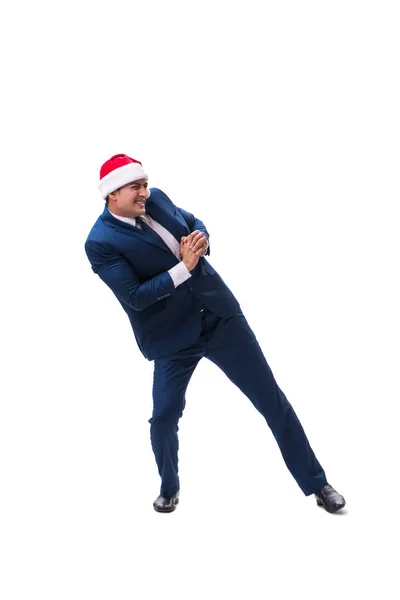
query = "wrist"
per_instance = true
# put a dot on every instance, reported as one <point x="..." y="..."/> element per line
<point x="189" y="264"/>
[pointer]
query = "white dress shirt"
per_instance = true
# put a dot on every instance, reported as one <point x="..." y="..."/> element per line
<point x="179" y="273"/>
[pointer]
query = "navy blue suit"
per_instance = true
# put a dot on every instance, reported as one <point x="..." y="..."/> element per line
<point x="176" y="327"/>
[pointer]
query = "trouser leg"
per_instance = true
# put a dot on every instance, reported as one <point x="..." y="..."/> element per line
<point x="171" y="377"/>
<point x="235" y="350"/>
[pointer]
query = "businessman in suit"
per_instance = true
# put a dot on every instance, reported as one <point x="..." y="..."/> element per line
<point x="151" y="254"/>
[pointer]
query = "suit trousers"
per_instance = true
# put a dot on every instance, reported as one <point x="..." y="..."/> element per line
<point x="233" y="347"/>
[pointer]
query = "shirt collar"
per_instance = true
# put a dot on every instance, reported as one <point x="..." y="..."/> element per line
<point x="128" y="220"/>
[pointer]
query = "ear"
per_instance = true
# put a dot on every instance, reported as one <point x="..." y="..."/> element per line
<point x="113" y="195"/>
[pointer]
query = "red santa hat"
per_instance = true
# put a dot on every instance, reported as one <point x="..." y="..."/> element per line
<point x="119" y="170"/>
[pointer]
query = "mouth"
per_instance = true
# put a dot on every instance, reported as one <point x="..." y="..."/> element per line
<point x="140" y="203"/>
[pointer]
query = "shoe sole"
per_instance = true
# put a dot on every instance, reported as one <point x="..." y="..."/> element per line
<point x="320" y="503"/>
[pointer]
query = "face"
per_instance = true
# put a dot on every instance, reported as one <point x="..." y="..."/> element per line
<point x="129" y="200"/>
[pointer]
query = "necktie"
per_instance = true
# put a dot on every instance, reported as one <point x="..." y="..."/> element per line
<point x="145" y="227"/>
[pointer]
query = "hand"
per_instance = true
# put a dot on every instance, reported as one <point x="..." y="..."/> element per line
<point x="189" y="257"/>
<point x="197" y="242"/>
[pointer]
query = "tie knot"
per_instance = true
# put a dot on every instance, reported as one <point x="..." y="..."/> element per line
<point x="142" y="222"/>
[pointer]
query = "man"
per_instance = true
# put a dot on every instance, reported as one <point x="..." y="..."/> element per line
<point x="152" y="255"/>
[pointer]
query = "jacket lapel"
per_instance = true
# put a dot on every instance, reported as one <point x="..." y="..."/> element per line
<point x="110" y="221"/>
<point x="166" y="218"/>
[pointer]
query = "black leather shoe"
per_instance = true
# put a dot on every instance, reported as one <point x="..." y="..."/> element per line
<point x="166" y="504"/>
<point x="330" y="499"/>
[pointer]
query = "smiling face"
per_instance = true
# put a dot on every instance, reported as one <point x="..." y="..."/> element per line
<point x="130" y="199"/>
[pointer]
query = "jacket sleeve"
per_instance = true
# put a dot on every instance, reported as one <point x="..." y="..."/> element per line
<point x="113" y="268"/>
<point x="194" y="224"/>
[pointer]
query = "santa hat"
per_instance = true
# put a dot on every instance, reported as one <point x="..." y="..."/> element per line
<point x="119" y="170"/>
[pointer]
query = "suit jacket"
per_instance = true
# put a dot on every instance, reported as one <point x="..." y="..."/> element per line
<point x="134" y="265"/>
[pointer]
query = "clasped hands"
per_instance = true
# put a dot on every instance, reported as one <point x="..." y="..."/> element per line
<point x="192" y="247"/>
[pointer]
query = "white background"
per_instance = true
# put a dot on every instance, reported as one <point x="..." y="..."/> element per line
<point x="277" y="124"/>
